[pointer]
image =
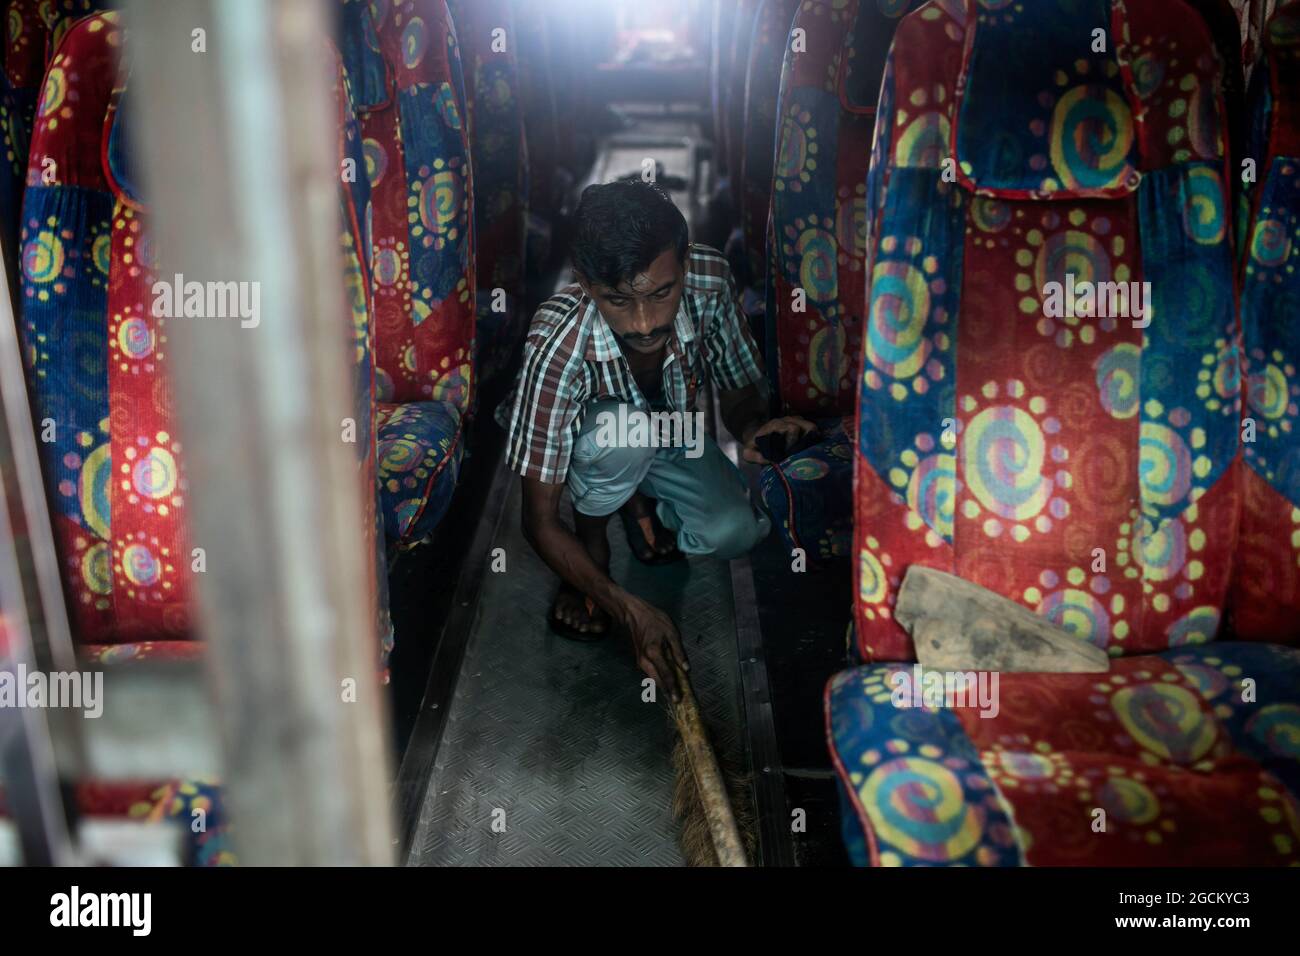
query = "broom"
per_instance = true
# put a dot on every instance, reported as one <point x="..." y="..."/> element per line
<point x="711" y="807"/>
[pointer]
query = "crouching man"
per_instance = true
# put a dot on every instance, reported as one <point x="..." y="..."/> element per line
<point x="650" y="319"/>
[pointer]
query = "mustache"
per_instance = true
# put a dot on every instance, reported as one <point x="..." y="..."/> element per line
<point x="650" y="337"/>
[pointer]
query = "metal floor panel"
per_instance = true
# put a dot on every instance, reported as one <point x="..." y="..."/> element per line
<point x="555" y="733"/>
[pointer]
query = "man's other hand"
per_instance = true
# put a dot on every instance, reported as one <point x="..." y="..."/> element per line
<point x="657" y="645"/>
<point x="791" y="426"/>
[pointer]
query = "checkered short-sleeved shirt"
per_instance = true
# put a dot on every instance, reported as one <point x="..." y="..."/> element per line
<point x="571" y="357"/>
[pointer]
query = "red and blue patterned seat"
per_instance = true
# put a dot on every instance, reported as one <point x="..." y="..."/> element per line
<point x="815" y="250"/>
<point x="771" y="32"/>
<point x="1086" y="466"/>
<point x="98" y="367"/>
<point x="1266" y="593"/>
<point x="489" y="52"/>
<point x="403" y="64"/>
<point x="97" y="362"/>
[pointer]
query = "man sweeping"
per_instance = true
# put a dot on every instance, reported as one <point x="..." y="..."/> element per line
<point x="608" y="362"/>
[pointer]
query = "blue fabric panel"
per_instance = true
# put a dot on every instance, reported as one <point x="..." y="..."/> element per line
<point x="419" y="463"/>
<point x="428" y="120"/>
<point x="910" y="341"/>
<point x="1071" y="131"/>
<point x="65" y="341"/>
<point x="359" y="47"/>
<point x="1270" y="313"/>
<point x="1190" y="368"/>
<point x="917" y="775"/>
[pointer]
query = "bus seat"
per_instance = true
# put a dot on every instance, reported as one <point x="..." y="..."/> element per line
<point x="405" y="78"/>
<point x="815" y="240"/>
<point x="1266" y="592"/>
<point x="95" y="368"/>
<point x="810" y="494"/>
<point x="98" y="365"/>
<point x="485" y="29"/>
<point x="356" y="245"/>
<point x="1132" y="768"/>
<point x="815" y="234"/>
<point x="762" y="85"/>
<point x="98" y="372"/>
<point x="1086" y="466"/>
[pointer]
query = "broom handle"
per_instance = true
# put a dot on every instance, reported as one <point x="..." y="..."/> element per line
<point x="708" y="777"/>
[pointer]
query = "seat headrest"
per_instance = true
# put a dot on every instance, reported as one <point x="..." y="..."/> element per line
<point x="1079" y="99"/>
<point x="370" y="74"/>
<point x="866" y="47"/>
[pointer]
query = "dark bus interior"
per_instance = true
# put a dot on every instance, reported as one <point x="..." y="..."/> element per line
<point x="323" y="652"/>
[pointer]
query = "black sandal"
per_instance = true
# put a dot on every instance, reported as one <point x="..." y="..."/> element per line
<point x="641" y="534"/>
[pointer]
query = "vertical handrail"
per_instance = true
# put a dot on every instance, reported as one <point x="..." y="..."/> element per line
<point x="38" y="747"/>
<point x="239" y="151"/>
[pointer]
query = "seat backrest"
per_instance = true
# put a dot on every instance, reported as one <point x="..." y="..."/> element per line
<point x="1071" y="459"/>
<point x="98" y="359"/>
<point x="356" y="245"/>
<point x="762" y="84"/>
<point x="32" y="29"/>
<point x="403" y="65"/>
<point x="1266" y="592"/>
<point x="815" y="286"/>
<point x="485" y="29"/>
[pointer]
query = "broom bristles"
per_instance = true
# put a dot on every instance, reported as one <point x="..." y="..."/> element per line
<point x="694" y="834"/>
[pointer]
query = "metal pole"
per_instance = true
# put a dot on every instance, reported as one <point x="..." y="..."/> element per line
<point x="33" y="618"/>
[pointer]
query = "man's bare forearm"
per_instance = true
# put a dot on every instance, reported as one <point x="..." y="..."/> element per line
<point x="567" y="556"/>
<point x="743" y="411"/>
<point x="655" y="640"/>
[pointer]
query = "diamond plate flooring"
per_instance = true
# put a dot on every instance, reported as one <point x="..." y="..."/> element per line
<point x="555" y="734"/>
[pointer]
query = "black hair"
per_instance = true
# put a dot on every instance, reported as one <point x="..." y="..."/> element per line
<point x="620" y="228"/>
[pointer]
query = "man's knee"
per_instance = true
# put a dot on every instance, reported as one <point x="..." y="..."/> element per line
<point x="728" y="533"/>
<point x="604" y="474"/>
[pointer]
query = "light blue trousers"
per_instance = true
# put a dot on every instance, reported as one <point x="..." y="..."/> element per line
<point x="702" y="499"/>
